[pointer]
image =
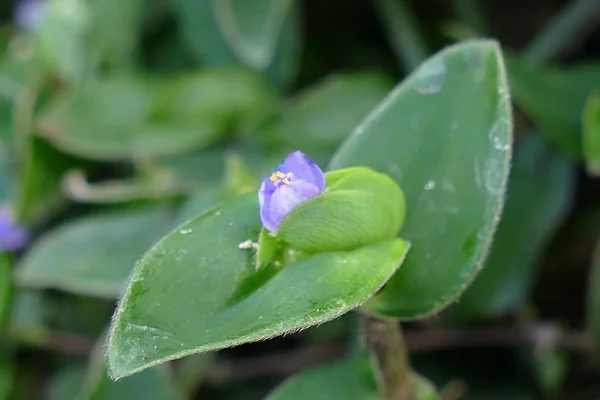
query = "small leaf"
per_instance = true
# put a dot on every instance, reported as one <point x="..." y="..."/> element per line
<point x="591" y="134"/>
<point x="152" y="384"/>
<point x="539" y="195"/>
<point x="348" y="380"/>
<point x="554" y="98"/>
<point x="252" y="28"/>
<point x="93" y="255"/>
<point x="198" y="290"/>
<point x="594" y="299"/>
<point x="444" y="135"/>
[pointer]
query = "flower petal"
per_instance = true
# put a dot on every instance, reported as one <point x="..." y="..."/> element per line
<point x="288" y="197"/>
<point x="304" y="169"/>
<point x="15" y="239"/>
<point x="264" y="201"/>
<point x="12" y="237"/>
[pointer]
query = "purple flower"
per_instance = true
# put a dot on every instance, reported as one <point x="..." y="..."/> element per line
<point x="29" y="13"/>
<point x="295" y="181"/>
<point x="12" y="237"/>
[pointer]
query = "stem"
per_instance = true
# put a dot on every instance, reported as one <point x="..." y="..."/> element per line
<point x="386" y="344"/>
<point x="403" y="31"/>
<point x="570" y="24"/>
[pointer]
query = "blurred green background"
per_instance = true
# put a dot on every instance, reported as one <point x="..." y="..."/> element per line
<point x="121" y="119"/>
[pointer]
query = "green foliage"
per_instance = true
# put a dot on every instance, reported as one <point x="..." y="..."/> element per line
<point x="594" y="299"/>
<point x="591" y="134"/>
<point x="215" y="278"/>
<point x="351" y="380"/>
<point x="554" y="98"/>
<point x="444" y="135"/>
<point x="539" y="196"/>
<point x="73" y="257"/>
<point x="132" y="117"/>
<point x="133" y="140"/>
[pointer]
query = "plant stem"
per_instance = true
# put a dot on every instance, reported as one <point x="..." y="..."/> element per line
<point x="570" y="24"/>
<point x="386" y="344"/>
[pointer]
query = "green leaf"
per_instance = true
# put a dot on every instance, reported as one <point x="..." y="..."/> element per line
<point x="252" y="28"/>
<point x="322" y="115"/>
<point x="594" y="299"/>
<point x="197" y="290"/>
<point x="116" y="30"/>
<point x="348" y="380"/>
<point x="359" y="206"/>
<point x="554" y="98"/>
<point x="127" y="117"/>
<point x="199" y="203"/>
<point x="38" y="191"/>
<point x="61" y="37"/>
<point x="5" y="286"/>
<point x="6" y="374"/>
<point x="444" y="135"/>
<point x="539" y="196"/>
<point x="591" y="134"/>
<point x="152" y="384"/>
<point x="93" y="255"/>
<point x="201" y="31"/>
<point x="66" y="383"/>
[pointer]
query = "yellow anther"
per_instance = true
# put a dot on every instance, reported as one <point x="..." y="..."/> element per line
<point x="278" y="177"/>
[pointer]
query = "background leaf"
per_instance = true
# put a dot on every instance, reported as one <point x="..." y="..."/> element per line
<point x="214" y="298"/>
<point x="5" y="286"/>
<point x="350" y="380"/>
<point x="128" y="117"/>
<point x="252" y="28"/>
<point x="594" y="299"/>
<point x="152" y="384"/>
<point x="554" y="98"/>
<point x="539" y="196"/>
<point x="321" y="116"/>
<point x="444" y="135"/>
<point x="6" y="374"/>
<point x="200" y="31"/>
<point x="93" y="255"/>
<point x="591" y="134"/>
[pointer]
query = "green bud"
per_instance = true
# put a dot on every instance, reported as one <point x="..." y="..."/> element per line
<point x="358" y="206"/>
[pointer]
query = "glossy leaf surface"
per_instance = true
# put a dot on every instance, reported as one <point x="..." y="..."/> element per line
<point x="197" y="290"/>
<point x="445" y="136"/>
